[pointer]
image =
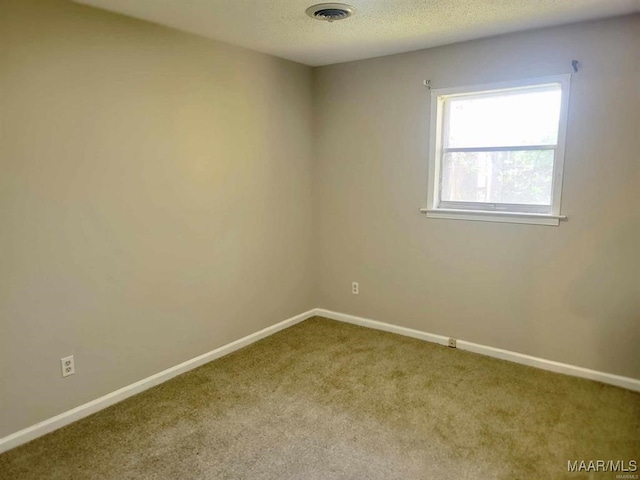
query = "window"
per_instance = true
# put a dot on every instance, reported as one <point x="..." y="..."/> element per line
<point x="496" y="151"/>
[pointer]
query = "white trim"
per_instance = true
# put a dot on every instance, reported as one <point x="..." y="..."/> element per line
<point x="517" y="148"/>
<point x="551" y="366"/>
<point x="558" y="163"/>
<point x="30" y="433"/>
<point x="387" y="327"/>
<point x="435" y="150"/>
<point x="494" y="216"/>
<point x="70" y="416"/>
<point x="437" y="133"/>
<point x="492" y="87"/>
<point x="557" y="367"/>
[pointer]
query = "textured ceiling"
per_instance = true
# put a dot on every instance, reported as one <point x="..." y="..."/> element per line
<point x="379" y="27"/>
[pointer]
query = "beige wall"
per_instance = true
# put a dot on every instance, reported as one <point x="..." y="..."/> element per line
<point x="154" y="200"/>
<point x="158" y="190"/>
<point x="569" y="293"/>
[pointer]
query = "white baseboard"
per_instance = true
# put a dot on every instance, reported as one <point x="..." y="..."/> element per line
<point x="608" y="378"/>
<point x="70" y="416"/>
<point x="387" y="327"/>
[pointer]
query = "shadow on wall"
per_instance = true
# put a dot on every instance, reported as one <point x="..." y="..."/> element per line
<point x="607" y="287"/>
<point x="595" y="278"/>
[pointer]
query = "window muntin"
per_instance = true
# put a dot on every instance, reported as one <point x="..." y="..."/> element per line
<point x="499" y="148"/>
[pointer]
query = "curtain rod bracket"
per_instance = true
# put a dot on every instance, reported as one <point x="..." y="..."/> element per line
<point x="427" y="83"/>
<point x="574" y="64"/>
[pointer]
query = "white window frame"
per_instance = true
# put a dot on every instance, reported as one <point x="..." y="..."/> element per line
<point x="487" y="211"/>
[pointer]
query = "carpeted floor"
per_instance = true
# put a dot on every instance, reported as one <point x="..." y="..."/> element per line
<point x="327" y="400"/>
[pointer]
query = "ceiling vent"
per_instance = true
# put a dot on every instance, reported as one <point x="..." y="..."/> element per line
<point x="330" y="11"/>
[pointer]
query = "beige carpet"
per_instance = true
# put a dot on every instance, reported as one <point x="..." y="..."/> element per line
<point x="326" y="400"/>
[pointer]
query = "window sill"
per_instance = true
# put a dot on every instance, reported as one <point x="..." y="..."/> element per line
<point x="500" y="217"/>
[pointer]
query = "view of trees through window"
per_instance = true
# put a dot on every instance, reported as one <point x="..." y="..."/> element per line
<point x="521" y="177"/>
<point x="499" y="147"/>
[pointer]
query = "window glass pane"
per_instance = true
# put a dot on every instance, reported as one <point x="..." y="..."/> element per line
<point x="504" y="119"/>
<point x="520" y="177"/>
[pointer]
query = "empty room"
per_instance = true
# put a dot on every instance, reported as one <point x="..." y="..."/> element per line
<point x="283" y="239"/>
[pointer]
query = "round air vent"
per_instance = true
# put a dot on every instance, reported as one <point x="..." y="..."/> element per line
<point x="330" y="11"/>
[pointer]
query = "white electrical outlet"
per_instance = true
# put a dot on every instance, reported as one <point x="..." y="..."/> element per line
<point x="452" y="343"/>
<point x="68" y="366"/>
<point x="355" y="288"/>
